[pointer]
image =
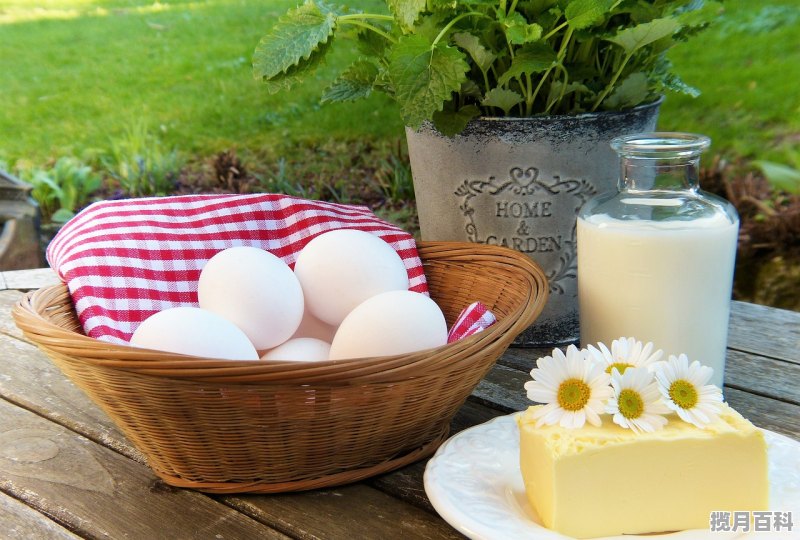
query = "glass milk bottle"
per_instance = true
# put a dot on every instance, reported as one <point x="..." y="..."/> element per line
<point x="656" y="259"/>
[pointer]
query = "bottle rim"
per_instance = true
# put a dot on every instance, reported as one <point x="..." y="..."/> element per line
<point x="661" y="144"/>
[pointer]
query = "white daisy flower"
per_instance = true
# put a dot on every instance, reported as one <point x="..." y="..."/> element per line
<point x="625" y="353"/>
<point x="573" y="388"/>
<point x="684" y="389"/>
<point x="636" y="403"/>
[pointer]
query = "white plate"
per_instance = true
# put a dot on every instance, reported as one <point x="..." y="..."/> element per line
<point x="475" y="484"/>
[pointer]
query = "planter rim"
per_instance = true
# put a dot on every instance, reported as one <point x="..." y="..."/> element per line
<point x="552" y="118"/>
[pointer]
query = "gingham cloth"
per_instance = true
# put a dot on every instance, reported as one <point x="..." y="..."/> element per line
<point x="474" y="318"/>
<point x="124" y="260"/>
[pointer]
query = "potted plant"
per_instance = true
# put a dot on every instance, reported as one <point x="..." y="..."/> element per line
<point x="509" y="107"/>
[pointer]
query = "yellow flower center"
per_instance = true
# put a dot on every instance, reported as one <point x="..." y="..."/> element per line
<point x="621" y="367"/>
<point x="573" y="394"/>
<point x="683" y="393"/>
<point x="631" y="404"/>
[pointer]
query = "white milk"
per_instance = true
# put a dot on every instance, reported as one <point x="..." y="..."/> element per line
<point x="659" y="282"/>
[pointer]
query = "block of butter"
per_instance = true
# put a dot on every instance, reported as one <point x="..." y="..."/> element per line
<point x="603" y="481"/>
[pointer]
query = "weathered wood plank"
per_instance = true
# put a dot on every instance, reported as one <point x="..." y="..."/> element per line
<point x="28" y="279"/>
<point x="7" y="301"/>
<point x="503" y="389"/>
<point x="765" y="331"/>
<point x="368" y="513"/>
<point x="17" y="520"/>
<point x="777" y="416"/>
<point x="761" y="375"/>
<point x="96" y="492"/>
<point x="28" y="378"/>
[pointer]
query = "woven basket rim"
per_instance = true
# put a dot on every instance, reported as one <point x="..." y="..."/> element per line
<point x="29" y="314"/>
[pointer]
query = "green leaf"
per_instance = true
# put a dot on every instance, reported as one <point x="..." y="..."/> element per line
<point x="370" y="43"/>
<point x="502" y="98"/>
<point x="517" y="29"/>
<point x="424" y="76"/>
<point x="700" y="16"/>
<point x="629" y="93"/>
<point x="780" y="176"/>
<point x="483" y="57"/>
<point x="296" y="74"/>
<point x="636" y="37"/>
<point x="295" y="39"/>
<point x="406" y="11"/>
<point x="533" y="58"/>
<point x="451" y="123"/>
<point x="585" y="13"/>
<point x="469" y="89"/>
<point x="62" y="215"/>
<point x="355" y="83"/>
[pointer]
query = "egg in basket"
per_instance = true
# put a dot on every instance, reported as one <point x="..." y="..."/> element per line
<point x="271" y="423"/>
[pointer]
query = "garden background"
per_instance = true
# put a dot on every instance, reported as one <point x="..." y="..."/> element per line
<point x="116" y="98"/>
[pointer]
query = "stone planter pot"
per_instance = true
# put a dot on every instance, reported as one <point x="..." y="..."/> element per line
<point x="519" y="182"/>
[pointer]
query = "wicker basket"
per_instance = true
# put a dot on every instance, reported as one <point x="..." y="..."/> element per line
<point x="263" y="426"/>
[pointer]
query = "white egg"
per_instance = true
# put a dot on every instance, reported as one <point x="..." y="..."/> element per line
<point x="340" y="269"/>
<point x="195" y="331"/>
<point x="312" y="327"/>
<point x="300" y="349"/>
<point x="394" y="322"/>
<point x="255" y="290"/>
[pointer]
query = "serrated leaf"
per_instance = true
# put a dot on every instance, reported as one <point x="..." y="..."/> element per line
<point x="502" y="98"/>
<point x="585" y="13"/>
<point x="702" y="15"/>
<point x="355" y="83"/>
<point x="451" y="123"/>
<point x="296" y="38"/>
<point x="780" y="176"/>
<point x="424" y="76"/>
<point x="406" y="11"/>
<point x="533" y="58"/>
<point x="671" y="81"/>
<point x="483" y="57"/>
<point x="297" y="73"/>
<point x="636" y="37"/>
<point x="629" y="93"/>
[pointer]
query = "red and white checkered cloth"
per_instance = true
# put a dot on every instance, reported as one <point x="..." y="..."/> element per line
<point x="127" y="259"/>
<point x="474" y="318"/>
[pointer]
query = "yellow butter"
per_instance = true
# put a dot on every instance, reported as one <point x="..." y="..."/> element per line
<point x="602" y="481"/>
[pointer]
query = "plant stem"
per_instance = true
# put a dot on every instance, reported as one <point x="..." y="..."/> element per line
<point x="554" y="31"/>
<point x="356" y="22"/>
<point x="375" y="16"/>
<point x="611" y="84"/>
<point x="513" y="6"/>
<point x="454" y="21"/>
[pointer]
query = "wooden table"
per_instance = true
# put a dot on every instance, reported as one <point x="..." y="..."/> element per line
<point x="67" y="472"/>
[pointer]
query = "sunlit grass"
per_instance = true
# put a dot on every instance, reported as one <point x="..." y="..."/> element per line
<point x="747" y="66"/>
<point x="72" y="86"/>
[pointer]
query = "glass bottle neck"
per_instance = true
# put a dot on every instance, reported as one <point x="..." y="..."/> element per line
<point x="659" y="174"/>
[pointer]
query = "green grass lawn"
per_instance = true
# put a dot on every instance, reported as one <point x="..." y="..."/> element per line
<point x="747" y="67"/>
<point x="78" y="74"/>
